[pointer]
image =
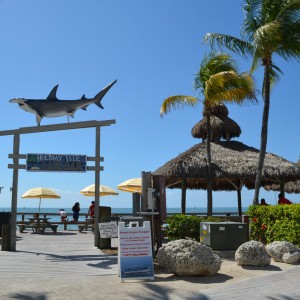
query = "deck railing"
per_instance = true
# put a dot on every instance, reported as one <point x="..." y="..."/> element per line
<point x="227" y="216"/>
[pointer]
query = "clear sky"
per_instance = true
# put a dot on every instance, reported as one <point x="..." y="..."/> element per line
<point x="153" y="48"/>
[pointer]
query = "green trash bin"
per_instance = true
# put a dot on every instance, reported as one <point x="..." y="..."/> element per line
<point x="5" y="218"/>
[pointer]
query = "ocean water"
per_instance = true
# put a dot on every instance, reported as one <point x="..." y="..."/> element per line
<point x="83" y="212"/>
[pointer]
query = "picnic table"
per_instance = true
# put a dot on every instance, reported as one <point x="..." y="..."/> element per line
<point x="38" y="225"/>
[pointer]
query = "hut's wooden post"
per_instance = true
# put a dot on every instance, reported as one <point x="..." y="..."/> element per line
<point x="183" y="196"/>
<point x="160" y="186"/>
<point x="239" y="196"/>
<point x="146" y="183"/>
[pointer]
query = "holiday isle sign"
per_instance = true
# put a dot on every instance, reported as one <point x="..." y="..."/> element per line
<point x="56" y="162"/>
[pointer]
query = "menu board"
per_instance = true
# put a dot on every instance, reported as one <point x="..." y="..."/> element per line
<point x="135" y="251"/>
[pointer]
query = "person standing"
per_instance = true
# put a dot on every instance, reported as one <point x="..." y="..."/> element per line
<point x="91" y="211"/>
<point x="283" y="200"/>
<point x="76" y="210"/>
<point x="63" y="215"/>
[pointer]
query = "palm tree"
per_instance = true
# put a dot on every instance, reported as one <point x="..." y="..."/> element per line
<point x="218" y="81"/>
<point x="270" y="27"/>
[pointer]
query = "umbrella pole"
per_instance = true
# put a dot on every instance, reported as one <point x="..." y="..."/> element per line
<point x="40" y="204"/>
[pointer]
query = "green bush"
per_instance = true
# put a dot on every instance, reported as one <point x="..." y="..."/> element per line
<point x="186" y="227"/>
<point x="275" y="223"/>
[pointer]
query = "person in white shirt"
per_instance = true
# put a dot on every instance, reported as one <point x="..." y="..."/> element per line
<point x="63" y="215"/>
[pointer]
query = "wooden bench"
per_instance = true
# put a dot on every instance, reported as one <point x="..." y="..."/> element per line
<point x="35" y="229"/>
<point x="86" y="226"/>
<point x="40" y="229"/>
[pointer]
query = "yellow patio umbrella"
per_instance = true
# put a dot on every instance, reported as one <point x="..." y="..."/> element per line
<point x="41" y="193"/>
<point x="133" y="185"/>
<point x="104" y="191"/>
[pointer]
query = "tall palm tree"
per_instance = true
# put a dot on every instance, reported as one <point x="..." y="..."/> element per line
<point x="270" y="27"/>
<point x="218" y="81"/>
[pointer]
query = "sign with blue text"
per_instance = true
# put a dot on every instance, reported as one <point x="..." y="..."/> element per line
<point x="135" y="251"/>
<point x="56" y="162"/>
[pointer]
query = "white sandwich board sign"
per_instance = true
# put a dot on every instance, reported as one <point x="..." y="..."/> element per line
<point x="135" y="251"/>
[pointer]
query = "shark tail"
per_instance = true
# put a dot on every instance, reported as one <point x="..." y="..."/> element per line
<point x="100" y="95"/>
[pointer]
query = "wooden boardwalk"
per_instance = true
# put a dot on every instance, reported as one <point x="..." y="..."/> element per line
<point x="64" y="254"/>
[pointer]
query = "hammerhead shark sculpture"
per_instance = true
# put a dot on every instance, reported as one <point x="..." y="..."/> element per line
<point x="53" y="107"/>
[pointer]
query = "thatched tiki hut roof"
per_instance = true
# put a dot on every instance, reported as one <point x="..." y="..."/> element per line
<point x="289" y="187"/>
<point x="233" y="166"/>
<point x="292" y="187"/>
<point x="221" y="125"/>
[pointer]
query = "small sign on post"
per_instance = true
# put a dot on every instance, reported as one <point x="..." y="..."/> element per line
<point x="56" y="162"/>
<point x="135" y="251"/>
<point x="108" y="230"/>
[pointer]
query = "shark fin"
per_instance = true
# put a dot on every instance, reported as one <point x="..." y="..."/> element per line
<point x="84" y="107"/>
<point x="100" y="95"/>
<point x="52" y="95"/>
<point x="83" y="97"/>
<point x="71" y="113"/>
<point x="38" y="119"/>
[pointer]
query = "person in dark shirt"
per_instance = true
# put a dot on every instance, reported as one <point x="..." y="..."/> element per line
<point x="76" y="210"/>
<point x="263" y="202"/>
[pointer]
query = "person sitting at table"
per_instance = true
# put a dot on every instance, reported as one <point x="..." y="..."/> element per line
<point x="91" y="211"/>
<point x="263" y="202"/>
<point x="75" y="210"/>
<point x="283" y="200"/>
<point x="63" y="215"/>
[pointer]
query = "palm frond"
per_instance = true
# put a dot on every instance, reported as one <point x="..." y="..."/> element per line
<point x="255" y="62"/>
<point x="290" y="46"/>
<point x="178" y="101"/>
<point x="289" y="12"/>
<point x="234" y="44"/>
<point x="230" y="87"/>
<point x="213" y="63"/>
<point x="252" y="19"/>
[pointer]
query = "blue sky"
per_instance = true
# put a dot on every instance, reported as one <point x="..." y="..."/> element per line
<point x="153" y="48"/>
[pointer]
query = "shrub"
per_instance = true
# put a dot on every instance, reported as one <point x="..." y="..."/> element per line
<point x="275" y="223"/>
<point x="186" y="227"/>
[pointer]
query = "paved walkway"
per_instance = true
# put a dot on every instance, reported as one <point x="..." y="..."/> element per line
<point x="66" y="265"/>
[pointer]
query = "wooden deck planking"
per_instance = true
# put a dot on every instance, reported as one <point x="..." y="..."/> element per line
<point x="63" y="254"/>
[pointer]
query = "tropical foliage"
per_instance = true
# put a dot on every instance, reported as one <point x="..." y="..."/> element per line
<point x="270" y="27"/>
<point x="275" y="223"/>
<point x="183" y="227"/>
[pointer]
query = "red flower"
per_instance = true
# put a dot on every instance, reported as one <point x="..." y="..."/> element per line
<point x="254" y="219"/>
<point x="263" y="227"/>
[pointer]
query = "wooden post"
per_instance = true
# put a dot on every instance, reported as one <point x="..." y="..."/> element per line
<point x="239" y="196"/>
<point x="105" y="216"/>
<point x="159" y="185"/>
<point x="183" y="196"/>
<point x="14" y="195"/>
<point x="136" y="203"/>
<point x="146" y="183"/>
<point x="97" y="186"/>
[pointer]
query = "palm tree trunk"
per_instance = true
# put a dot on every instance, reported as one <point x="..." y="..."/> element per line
<point x="209" y="171"/>
<point x="264" y="131"/>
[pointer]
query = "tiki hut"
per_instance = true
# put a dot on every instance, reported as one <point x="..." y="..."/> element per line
<point x="234" y="165"/>
<point x="222" y="126"/>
